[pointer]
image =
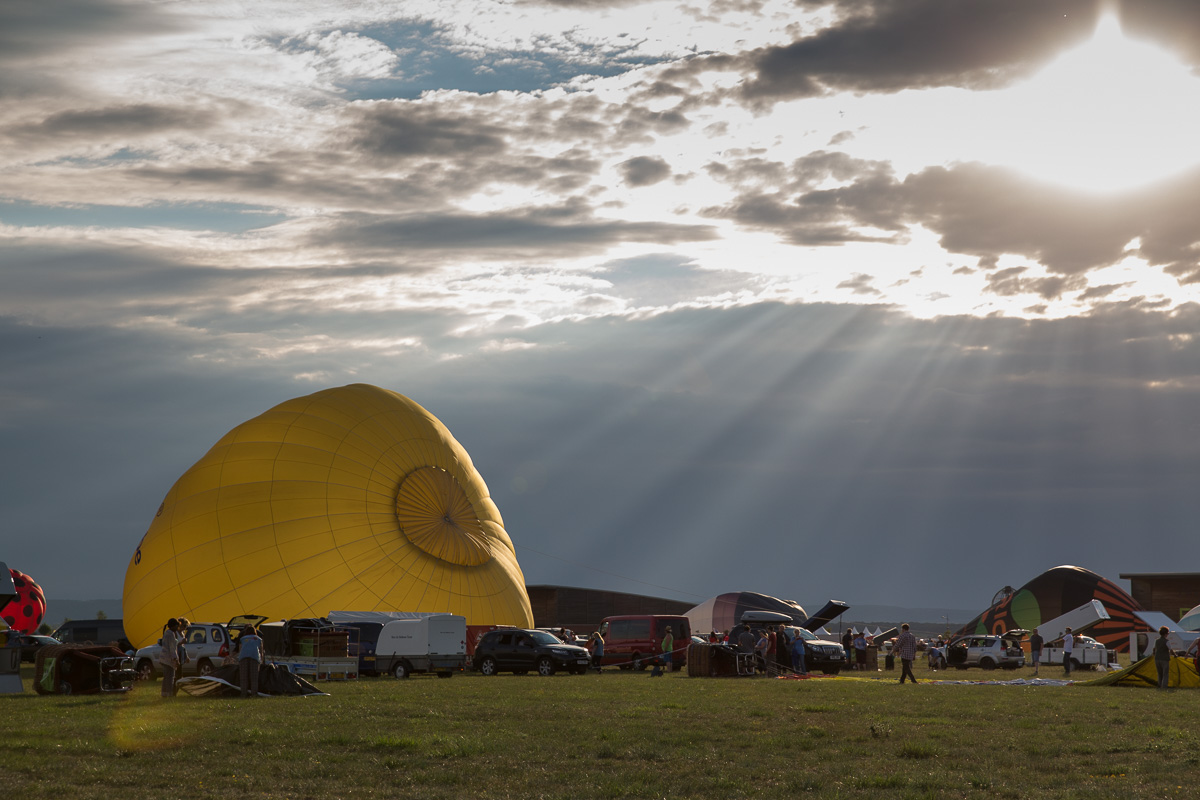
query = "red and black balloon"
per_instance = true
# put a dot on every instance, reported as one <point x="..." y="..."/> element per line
<point x="1055" y="592"/>
<point x="24" y="613"/>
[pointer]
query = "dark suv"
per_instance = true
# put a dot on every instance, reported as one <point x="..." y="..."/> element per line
<point x="520" y="651"/>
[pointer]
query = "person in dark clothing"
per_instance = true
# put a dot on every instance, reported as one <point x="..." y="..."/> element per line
<point x="1035" y="650"/>
<point x="1162" y="657"/>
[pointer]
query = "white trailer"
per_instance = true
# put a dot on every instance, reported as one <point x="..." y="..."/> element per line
<point x="1085" y="651"/>
<point x="1141" y="643"/>
<point x="411" y="642"/>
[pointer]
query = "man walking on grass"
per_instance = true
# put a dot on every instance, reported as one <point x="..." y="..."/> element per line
<point x="906" y="647"/>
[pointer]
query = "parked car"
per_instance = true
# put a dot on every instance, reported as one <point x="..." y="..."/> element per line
<point x="207" y="644"/>
<point x="986" y="651"/>
<point x="519" y="651"/>
<point x="635" y="640"/>
<point x="93" y="631"/>
<point x="29" y="644"/>
<point x="821" y="655"/>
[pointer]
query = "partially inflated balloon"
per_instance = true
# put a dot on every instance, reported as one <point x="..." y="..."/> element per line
<point x="353" y="498"/>
<point x="24" y="613"/>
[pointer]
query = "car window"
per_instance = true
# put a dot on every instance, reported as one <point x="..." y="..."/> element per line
<point x="504" y="639"/>
<point x="638" y="629"/>
<point x="217" y="636"/>
<point x="541" y="637"/>
<point x="197" y="636"/>
<point x="807" y="635"/>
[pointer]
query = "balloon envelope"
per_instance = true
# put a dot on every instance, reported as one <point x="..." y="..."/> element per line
<point x="25" y="611"/>
<point x="350" y="498"/>
<point x="722" y="612"/>
<point x="1055" y="592"/>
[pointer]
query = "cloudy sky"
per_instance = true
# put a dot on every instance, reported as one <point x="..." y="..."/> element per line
<point x="893" y="301"/>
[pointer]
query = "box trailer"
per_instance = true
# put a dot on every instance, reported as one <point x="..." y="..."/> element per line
<point x="314" y="648"/>
<point x="411" y="642"/>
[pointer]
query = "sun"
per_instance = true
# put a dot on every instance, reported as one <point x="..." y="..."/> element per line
<point x="1109" y="115"/>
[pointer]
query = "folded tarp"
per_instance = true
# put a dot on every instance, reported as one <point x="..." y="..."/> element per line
<point x="1144" y="673"/>
<point x="223" y="682"/>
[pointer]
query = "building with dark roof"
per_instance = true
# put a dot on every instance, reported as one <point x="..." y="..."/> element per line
<point x="1172" y="593"/>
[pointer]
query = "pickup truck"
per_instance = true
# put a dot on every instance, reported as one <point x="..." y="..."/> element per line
<point x="1087" y="652"/>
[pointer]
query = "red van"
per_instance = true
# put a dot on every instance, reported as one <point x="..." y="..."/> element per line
<point x="632" y="641"/>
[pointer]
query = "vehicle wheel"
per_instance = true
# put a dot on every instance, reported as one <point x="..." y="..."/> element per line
<point x="545" y="666"/>
<point x="401" y="670"/>
<point x="637" y="662"/>
<point x="1074" y="664"/>
<point x="64" y="688"/>
<point x="204" y="667"/>
<point x="488" y="666"/>
<point x="145" y="670"/>
<point x="987" y="663"/>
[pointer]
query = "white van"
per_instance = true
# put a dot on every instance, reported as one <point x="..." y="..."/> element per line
<point x="413" y="642"/>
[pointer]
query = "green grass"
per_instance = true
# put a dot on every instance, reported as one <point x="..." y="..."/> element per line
<point x="617" y="735"/>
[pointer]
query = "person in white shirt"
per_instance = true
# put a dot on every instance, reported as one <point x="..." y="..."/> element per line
<point x="1068" y="645"/>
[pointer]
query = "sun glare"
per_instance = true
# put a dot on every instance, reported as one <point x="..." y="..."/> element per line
<point x="1111" y="114"/>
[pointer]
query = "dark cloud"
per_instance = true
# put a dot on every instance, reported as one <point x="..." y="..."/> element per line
<point x="38" y="35"/>
<point x="33" y="28"/>
<point x="860" y="284"/>
<point x="645" y="171"/>
<point x="111" y="123"/>
<point x="516" y="232"/>
<point x="975" y="209"/>
<point x="1172" y="23"/>
<point x="402" y="130"/>
<point x="892" y="45"/>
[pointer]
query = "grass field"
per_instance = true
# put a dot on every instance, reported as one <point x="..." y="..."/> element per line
<point x="614" y="735"/>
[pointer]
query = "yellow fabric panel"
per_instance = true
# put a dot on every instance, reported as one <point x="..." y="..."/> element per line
<point x="299" y="506"/>
<point x="198" y="479"/>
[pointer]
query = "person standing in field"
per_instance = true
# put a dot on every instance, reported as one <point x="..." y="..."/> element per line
<point x="906" y="648"/>
<point x="1162" y="657"/>
<point x="597" y="651"/>
<point x="1068" y="646"/>
<point x="664" y="658"/>
<point x="1035" y="650"/>
<point x="798" y="646"/>
<point x="860" y="651"/>
<point x="168" y="656"/>
<point x="249" y="658"/>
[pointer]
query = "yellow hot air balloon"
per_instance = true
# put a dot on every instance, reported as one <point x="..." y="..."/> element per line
<point x="353" y="498"/>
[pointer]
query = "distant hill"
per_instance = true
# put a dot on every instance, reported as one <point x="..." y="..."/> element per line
<point x="58" y="610"/>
